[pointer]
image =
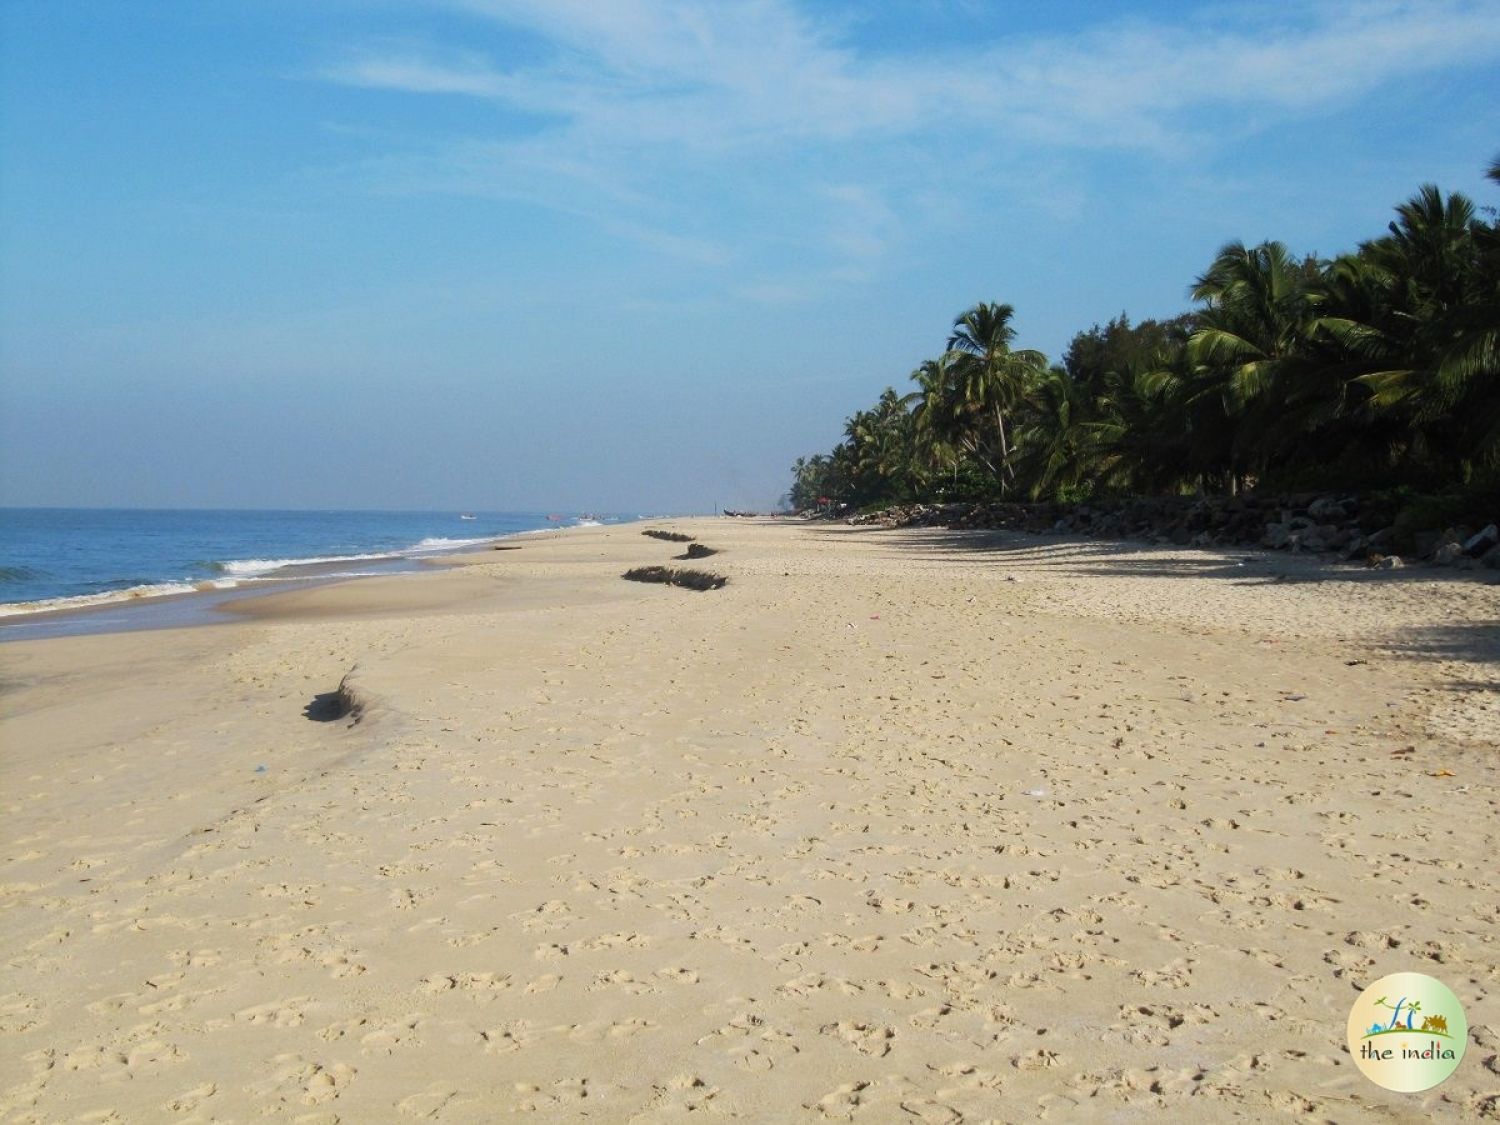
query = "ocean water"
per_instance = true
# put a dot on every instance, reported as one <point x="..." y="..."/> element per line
<point x="72" y="558"/>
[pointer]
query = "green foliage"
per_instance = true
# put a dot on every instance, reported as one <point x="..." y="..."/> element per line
<point x="1374" y="370"/>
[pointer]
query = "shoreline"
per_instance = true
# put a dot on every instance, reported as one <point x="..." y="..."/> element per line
<point x="906" y="822"/>
<point x="211" y="603"/>
<point x="194" y="608"/>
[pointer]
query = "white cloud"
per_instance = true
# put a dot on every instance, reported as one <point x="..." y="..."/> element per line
<point x="735" y="74"/>
<point x="416" y="73"/>
<point x="649" y="109"/>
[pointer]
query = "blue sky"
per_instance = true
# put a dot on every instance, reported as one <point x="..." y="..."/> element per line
<point x="636" y="255"/>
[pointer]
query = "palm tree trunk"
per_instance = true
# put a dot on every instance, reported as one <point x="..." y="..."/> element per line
<point x="1010" y="473"/>
<point x="973" y="447"/>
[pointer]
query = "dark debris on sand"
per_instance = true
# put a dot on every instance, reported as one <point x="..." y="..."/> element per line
<point x="675" y="576"/>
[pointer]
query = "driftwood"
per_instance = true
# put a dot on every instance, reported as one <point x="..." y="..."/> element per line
<point x="672" y="576"/>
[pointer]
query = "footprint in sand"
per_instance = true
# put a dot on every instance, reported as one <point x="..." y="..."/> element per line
<point x="190" y="1100"/>
<point x="1174" y="974"/>
<point x="930" y="1112"/>
<point x="194" y="958"/>
<point x="275" y="1013"/>
<point x="965" y="1078"/>
<point x="480" y="987"/>
<point x="563" y="1096"/>
<point x="868" y="1039"/>
<point x="296" y="1079"/>
<point x="1038" y="1059"/>
<point x="599" y="1031"/>
<point x="376" y="1036"/>
<point x="809" y="984"/>
<point x="511" y="1037"/>
<point x="431" y="1102"/>
<point x="620" y="979"/>
<point x="19" y="1013"/>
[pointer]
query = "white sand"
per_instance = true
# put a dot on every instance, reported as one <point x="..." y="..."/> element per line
<point x="898" y="825"/>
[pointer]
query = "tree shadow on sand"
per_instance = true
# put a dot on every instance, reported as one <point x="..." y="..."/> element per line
<point x="1066" y="554"/>
<point x="1468" y="642"/>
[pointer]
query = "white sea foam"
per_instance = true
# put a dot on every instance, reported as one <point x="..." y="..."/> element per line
<point x="83" y="601"/>
<point x="438" y="543"/>
<point x="254" y="568"/>
<point x="157" y="590"/>
<point x="247" y="572"/>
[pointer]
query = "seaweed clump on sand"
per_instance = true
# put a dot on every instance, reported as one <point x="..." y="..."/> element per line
<point x="669" y="536"/>
<point x="673" y="576"/>
<point x="697" y="551"/>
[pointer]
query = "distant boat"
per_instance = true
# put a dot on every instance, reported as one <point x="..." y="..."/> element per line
<point x="468" y="516"/>
<point x="555" y="518"/>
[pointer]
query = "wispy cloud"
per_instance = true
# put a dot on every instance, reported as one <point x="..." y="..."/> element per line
<point x="421" y="73"/>
<point x="655" y="110"/>
<point x="733" y="74"/>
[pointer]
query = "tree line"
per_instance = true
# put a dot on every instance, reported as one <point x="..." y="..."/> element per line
<point x="1376" y="369"/>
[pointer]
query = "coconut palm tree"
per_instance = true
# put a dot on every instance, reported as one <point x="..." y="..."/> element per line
<point x="991" y="377"/>
<point x="1054" y="436"/>
<point x="1428" y="335"/>
<point x="1251" y="353"/>
<point x="943" y="430"/>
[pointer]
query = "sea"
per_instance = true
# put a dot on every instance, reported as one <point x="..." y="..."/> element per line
<point x="132" y="568"/>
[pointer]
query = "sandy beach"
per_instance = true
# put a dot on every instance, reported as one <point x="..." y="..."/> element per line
<point x="898" y="825"/>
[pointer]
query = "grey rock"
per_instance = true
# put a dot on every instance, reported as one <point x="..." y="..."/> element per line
<point x="1277" y="536"/>
<point x="1447" y="554"/>
<point x="1482" y="540"/>
<point x="1426" y="542"/>
<point x="1393" y="562"/>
